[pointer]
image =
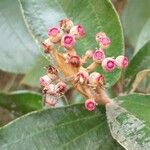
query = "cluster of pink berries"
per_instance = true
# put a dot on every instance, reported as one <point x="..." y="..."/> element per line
<point x="85" y="80"/>
<point x="53" y="88"/>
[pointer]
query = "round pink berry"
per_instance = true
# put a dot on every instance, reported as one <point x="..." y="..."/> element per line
<point x="98" y="55"/>
<point x="68" y="41"/>
<point x="122" y="62"/>
<point x="61" y="88"/>
<point x="53" y="31"/>
<point x="90" y="104"/>
<point x="54" y="34"/>
<point x="75" y="61"/>
<point x="66" y="25"/>
<point x="103" y="40"/>
<point x="45" y="80"/>
<point x="109" y="64"/>
<point x="81" y="77"/>
<point x="96" y="78"/>
<point x="78" y="31"/>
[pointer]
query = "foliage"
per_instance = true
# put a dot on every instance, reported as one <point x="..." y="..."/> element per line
<point x="124" y="124"/>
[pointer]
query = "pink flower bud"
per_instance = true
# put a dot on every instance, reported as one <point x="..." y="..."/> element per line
<point x="66" y="25"/>
<point x="50" y="89"/>
<point x="98" y="55"/>
<point x="45" y="80"/>
<point x="96" y="78"/>
<point x="122" y="62"/>
<point x="90" y="104"/>
<point x="68" y="41"/>
<point x="78" y="31"/>
<point x="81" y="77"/>
<point x="54" y="34"/>
<point x="51" y="100"/>
<point x="61" y="88"/>
<point x="75" y="61"/>
<point x="103" y="40"/>
<point x="109" y="64"/>
<point x="89" y="53"/>
<point x="53" y="31"/>
<point x="48" y="46"/>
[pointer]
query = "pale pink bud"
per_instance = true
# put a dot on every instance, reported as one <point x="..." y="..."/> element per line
<point x="100" y="35"/>
<point x="81" y="77"/>
<point x="48" y="46"/>
<point x="78" y="31"/>
<point x="103" y="40"/>
<point x="96" y="78"/>
<point x="68" y="41"/>
<point x="54" y="34"/>
<point x="52" y="72"/>
<point x="66" y="25"/>
<point x="75" y="61"/>
<point x="45" y="80"/>
<point x="98" y="55"/>
<point x="90" y="104"/>
<point x="61" y="88"/>
<point x="109" y="64"/>
<point x="122" y="62"/>
<point x="50" y="89"/>
<point x="89" y="53"/>
<point x="51" y="100"/>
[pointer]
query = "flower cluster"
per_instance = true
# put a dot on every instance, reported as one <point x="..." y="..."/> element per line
<point x="84" y="79"/>
<point x="53" y="88"/>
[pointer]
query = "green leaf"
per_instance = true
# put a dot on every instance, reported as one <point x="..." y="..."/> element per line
<point x="130" y="122"/>
<point x="95" y="16"/>
<point x="17" y="48"/>
<point x="32" y="77"/>
<point x="21" y="101"/>
<point x="68" y="128"/>
<point x="133" y="19"/>
<point x="139" y="62"/>
<point x="144" y="36"/>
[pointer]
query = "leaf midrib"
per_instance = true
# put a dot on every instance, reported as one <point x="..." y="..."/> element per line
<point x="50" y="128"/>
<point x="17" y="35"/>
<point x="84" y="133"/>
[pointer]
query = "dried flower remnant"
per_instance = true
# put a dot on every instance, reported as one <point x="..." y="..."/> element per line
<point x="51" y="101"/>
<point x="66" y="25"/>
<point x="61" y="88"/>
<point x="81" y="77"/>
<point x="75" y="61"/>
<point x="84" y="79"/>
<point x="45" y="80"/>
<point x="78" y="31"/>
<point x="48" y="46"/>
<point x="95" y="79"/>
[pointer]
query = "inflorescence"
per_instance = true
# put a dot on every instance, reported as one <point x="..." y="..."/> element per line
<point x="61" y="46"/>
